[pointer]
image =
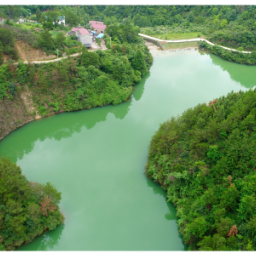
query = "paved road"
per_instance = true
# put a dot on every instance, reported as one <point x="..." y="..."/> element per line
<point x="189" y="40"/>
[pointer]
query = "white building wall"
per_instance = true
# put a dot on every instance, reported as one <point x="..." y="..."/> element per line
<point x="86" y="40"/>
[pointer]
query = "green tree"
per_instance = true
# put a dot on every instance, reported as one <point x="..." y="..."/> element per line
<point x="191" y="17"/>
<point x="38" y="14"/>
<point x="59" y="40"/>
<point x="1" y="54"/>
<point x="215" y="11"/>
<point x="223" y="23"/>
<point x="138" y="62"/>
<point x="48" y="24"/>
<point x="46" y="40"/>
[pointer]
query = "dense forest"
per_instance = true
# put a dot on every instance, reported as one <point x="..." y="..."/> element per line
<point x="205" y="159"/>
<point x="27" y="209"/>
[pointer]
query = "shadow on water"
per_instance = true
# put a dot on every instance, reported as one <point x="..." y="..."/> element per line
<point x="138" y="92"/>
<point x="67" y="124"/>
<point x="171" y="214"/>
<point x="45" y="241"/>
<point x="241" y="73"/>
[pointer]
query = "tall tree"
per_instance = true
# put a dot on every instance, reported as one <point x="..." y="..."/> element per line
<point x="38" y="14"/>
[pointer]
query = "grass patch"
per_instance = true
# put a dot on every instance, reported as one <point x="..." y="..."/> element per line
<point x="168" y="46"/>
<point x="178" y="36"/>
<point x="54" y="33"/>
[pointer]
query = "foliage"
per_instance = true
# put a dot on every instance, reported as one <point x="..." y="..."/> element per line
<point x="92" y="79"/>
<point x="205" y="159"/>
<point x="7" y="43"/>
<point x="25" y="211"/>
<point x="238" y="57"/>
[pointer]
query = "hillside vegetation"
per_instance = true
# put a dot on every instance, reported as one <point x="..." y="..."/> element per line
<point x="233" y="26"/>
<point x="92" y="79"/>
<point x="27" y="209"/>
<point x="206" y="161"/>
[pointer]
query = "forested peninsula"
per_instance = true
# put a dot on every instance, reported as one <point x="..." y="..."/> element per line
<point x="92" y="79"/>
<point x="205" y="159"/>
<point x="27" y="209"/>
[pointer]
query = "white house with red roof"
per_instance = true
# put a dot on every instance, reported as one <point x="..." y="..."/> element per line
<point x="83" y="36"/>
<point x="97" y="26"/>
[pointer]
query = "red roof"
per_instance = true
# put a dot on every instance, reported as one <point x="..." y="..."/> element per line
<point x="98" y="26"/>
<point x="92" y="22"/>
<point x="82" y="31"/>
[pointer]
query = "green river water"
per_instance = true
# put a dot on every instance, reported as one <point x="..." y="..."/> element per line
<point x="96" y="157"/>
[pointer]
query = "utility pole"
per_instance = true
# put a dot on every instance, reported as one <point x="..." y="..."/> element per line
<point x="57" y="53"/>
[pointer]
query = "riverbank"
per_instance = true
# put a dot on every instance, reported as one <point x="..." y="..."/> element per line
<point x="229" y="54"/>
<point x="65" y="150"/>
<point x="185" y="45"/>
<point x="152" y="47"/>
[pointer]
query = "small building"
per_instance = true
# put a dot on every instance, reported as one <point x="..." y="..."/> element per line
<point x="61" y="20"/>
<point x="98" y="28"/>
<point x="83" y="36"/>
<point x="21" y="21"/>
<point x="2" y="20"/>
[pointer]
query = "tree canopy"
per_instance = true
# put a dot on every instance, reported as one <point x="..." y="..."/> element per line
<point x="205" y="159"/>
<point x="26" y="208"/>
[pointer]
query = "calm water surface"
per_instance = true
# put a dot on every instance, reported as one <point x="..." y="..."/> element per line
<point x="96" y="157"/>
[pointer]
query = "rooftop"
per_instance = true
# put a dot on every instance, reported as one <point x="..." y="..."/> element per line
<point x="98" y="26"/>
<point x="93" y="21"/>
<point x="82" y="31"/>
<point x="100" y="35"/>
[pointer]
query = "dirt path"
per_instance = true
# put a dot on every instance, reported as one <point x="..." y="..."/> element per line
<point x="26" y="96"/>
<point x="103" y="45"/>
<point x="21" y="53"/>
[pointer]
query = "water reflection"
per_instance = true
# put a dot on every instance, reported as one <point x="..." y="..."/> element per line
<point x="238" y="72"/>
<point x="65" y="127"/>
<point x="171" y="215"/>
<point x="137" y="94"/>
<point x="45" y="241"/>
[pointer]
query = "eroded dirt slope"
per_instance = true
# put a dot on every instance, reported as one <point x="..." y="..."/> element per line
<point x="27" y="52"/>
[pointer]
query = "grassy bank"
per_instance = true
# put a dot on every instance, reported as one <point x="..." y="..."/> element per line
<point x="169" y="46"/>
